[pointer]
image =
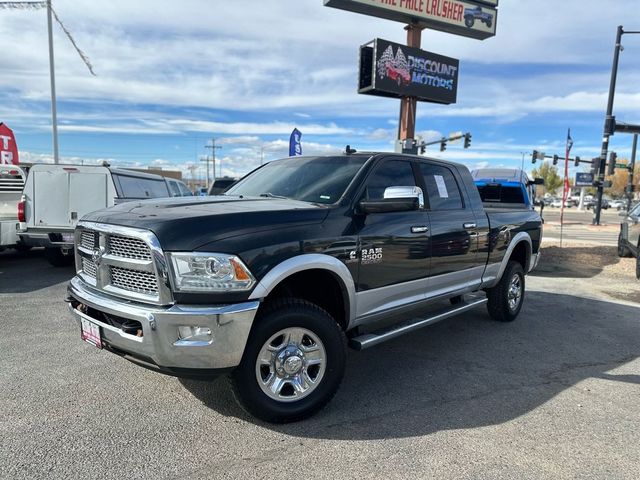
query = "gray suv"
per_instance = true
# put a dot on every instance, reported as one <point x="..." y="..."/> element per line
<point x="629" y="238"/>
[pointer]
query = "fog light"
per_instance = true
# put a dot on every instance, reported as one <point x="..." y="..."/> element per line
<point x="193" y="336"/>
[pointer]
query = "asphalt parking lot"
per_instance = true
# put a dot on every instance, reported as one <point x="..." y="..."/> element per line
<point x="553" y="395"/>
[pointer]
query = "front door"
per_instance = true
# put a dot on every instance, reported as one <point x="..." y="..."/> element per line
<point x="393" y="248"/>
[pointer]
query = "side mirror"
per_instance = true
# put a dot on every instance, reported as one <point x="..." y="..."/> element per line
<point x="395" y="199"/>
<point x="536" y="181"/>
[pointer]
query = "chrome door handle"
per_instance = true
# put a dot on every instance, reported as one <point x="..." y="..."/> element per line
<point x="420" y="229"/>
<point x="469" y="225"/>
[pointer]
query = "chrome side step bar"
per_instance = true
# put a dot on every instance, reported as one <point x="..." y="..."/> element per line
<point x="370" y="339"/>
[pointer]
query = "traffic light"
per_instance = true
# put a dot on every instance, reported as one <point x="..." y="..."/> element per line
<point x="423" y="148"/>
<point x="611" y="167"/>
<point x="577" y="162"/>
<point x="555" y="159"/>
<point x="467" y="140"/>
<point x="443" y="145"/>
<point x="534" y="157"/>
<point x="595" y="166"/>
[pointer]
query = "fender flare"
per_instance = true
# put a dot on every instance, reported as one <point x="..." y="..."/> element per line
<point x="515" y="241"/>
<point x="312" y="261"/>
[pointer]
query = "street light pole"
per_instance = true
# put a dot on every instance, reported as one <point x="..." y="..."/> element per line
<point x="52" y="74"/>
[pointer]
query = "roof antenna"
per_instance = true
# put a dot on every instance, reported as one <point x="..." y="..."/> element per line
<point x="349" y="150"/>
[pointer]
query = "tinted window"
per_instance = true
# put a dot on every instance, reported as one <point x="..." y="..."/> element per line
<point x="395" y="173"/>
<point x="442" y="188"/>
<point x="134" y="187"/>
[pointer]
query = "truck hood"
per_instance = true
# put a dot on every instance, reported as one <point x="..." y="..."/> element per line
<point x="187" y="223"/>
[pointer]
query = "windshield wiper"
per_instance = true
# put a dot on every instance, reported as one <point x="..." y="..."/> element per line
<point x="271" y="195"/>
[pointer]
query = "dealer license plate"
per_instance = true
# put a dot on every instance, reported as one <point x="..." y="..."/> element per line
<point x="90" y="333"/>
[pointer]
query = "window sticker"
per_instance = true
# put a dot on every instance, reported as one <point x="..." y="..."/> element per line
<point x="442" y="188"/>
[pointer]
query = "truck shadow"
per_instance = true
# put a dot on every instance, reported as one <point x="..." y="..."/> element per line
<point x="25" y="272"/>
<point x="575" y="262"/>
<point x="466" y="372"/>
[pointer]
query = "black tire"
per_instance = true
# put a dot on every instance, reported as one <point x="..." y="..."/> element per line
<point x="623" y="250"/>
<point x="489" y="23"/>
<point x="280" y="315"/>
<point x="58" y="257"/>
<point x="499" y="296"/>
<point x="469" y="21"/>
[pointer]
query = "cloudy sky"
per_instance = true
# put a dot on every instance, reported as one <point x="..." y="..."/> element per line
<point x="172" y="75"/>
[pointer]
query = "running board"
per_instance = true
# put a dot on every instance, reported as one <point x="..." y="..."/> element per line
<point x="370" y="339"/>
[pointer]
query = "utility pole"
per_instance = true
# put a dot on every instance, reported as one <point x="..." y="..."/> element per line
<point x="213" y="148"/>
<point x="52" y="74"/>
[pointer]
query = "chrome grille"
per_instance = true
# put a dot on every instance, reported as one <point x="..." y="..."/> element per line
<point x="122" y="261"/>
<point x="88" y="240"/>
<point x="127" y="247"/>
<point x="89" y="267"/>
<point x="134" y="280"/>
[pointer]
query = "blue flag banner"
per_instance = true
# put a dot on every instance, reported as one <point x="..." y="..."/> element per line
<point x="295" y="145"/>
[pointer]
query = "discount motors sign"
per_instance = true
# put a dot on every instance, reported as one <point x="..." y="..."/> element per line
<point x="8" y="147"/>
<point x="475" y="19"/>
<point x="389" y="69"/>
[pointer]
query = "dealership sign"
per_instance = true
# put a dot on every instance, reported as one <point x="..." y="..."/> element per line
<point x="584" y="179"/>
<point x="475" y="19"/>
<point x="389" y="69"/>
<point x="8" y="147"/>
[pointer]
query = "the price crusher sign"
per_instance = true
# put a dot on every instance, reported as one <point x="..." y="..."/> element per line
<point x="8" y="147"/>
<point x="469" y="18"/>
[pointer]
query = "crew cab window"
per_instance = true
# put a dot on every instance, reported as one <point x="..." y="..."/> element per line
<point x="442" y="187"/>
<point x="135" y="187"/>
<point x="185" y="190"/>
<point x="175" y="189"/>
<point x="394" y="173"/>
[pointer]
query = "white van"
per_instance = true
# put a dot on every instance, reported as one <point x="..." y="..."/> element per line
<point x="12" y="179"/>
<point x="57" y="196"/>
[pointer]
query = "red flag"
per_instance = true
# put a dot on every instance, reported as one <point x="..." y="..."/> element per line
<point x="8" y="147"/>
<point x="565" y="187"/>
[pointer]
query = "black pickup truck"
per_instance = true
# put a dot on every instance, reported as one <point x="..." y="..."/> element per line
<point x="271" y="281"/>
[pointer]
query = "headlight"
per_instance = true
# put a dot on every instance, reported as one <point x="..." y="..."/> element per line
<point x="207" y="272"/>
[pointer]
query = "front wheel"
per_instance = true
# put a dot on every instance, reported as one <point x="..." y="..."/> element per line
<point x="293" y="363"/>
<point x="59" y="257"/>
<point x="506" y="298"/>
<point x="469" y="21"/>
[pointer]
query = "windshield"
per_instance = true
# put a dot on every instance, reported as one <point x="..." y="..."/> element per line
<point x="309" y="179"/>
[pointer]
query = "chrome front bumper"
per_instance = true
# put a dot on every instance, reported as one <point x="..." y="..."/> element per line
<point x="160" y="344"/>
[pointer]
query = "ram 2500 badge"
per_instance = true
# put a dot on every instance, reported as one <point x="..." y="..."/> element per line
<point x="271" y="281"/>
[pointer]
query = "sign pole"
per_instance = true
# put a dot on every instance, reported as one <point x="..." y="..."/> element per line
<point x="408" y="105"/>
<point x="52" y="74"/>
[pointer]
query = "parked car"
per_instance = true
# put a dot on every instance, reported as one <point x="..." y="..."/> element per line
<point x="178" y="188"/>
<point x="55" y="197"/>
<point x="269" y="280"/>
<point x="557" y="203"/>
<point x="220" y="185"/>
<point x="12" y="179"/>
<point x="591" y="204"/>
<point x="476" y="13"/>
<point x="629" y="237"/>
<point x="618" y="204"/>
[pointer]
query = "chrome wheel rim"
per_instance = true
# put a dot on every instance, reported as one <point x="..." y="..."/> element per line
<point x="291" y="364"/>
<point x="515" y="292"/>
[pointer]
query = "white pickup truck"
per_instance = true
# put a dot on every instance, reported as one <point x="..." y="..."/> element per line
<point x="12" y="180"/>
<point x="57" y="196"/>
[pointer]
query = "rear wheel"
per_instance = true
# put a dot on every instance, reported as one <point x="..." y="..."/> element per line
<point x="623" y="249"/>
<point x="293" y="363"/>
<point x="59" y="257"/>
<point x="506" y="298"/>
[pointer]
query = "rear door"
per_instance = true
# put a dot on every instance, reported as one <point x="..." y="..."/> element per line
<point x="455" y="261"/>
